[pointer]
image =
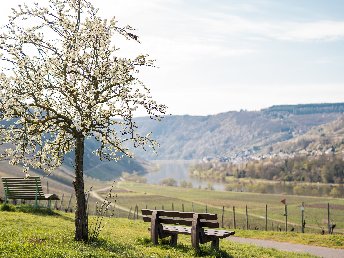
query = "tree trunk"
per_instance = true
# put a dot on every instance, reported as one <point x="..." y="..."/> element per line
<point x="81" y="220"/>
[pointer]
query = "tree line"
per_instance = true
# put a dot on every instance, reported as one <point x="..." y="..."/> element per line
<point x="323" y="169"/>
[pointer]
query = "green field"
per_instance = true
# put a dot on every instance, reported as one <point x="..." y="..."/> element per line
<point x="41" y="235"/>
<point x="156" y="196"/>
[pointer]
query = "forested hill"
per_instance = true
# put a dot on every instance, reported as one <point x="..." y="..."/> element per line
<point x="306" y="109"/>
<point x="234" y="133"/>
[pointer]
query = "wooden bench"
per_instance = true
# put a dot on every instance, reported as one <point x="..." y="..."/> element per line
<point x="26" y="189"/>
<point x="201" y="227"/>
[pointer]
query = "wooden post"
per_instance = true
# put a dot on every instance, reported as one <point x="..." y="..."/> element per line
<point x="129" y="212"/>
<point x="172" y="206"/>
<point x="328" y="218"/>
<point x="286" y="217"/>
<point x="195" y="231"/>
<point x="246" y="217"/>
<point x="162" y="207"/>
<point x="146" y="206"/>
<point x="61" y="201"/>
<point x="36" y="195"/>
<point x="137" y="212"/>
<point x="70" y="200"/>
<point x="154" y="227"/>
<point x="234" y="221"/>
<point x="206" y="208"/>
<point x="223" y="212"/>
<point x="183" y="207"/>
<point x="266" y="217"/>
<point x="302" y="218"/>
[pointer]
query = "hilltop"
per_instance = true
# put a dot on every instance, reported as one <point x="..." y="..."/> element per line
<point x="239" y="134"/>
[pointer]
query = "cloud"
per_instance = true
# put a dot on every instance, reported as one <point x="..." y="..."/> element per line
<point x="318" y="30"/>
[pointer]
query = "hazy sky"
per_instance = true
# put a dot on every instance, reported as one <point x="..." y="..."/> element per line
<point x="221" y="55"/>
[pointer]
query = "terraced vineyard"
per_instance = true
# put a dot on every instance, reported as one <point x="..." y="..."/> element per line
<point x="163" y="197"/>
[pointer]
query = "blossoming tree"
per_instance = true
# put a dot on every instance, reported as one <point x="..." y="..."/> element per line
<point x="61" y="82"/>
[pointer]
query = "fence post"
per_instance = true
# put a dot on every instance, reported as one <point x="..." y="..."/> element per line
<point x="172" y="206"/>
<point x="223" y="211"/>
<point x="246" y="218"/>
<point x="136" y="212"/>
<point x="328" y="218"/>
<point x="303" y="218"/>
<point x="61" y="201"/>
<point x="183" y="207"/>
<point x="234" y="221"/>
<point x="266" y="217"/>
<point x="129" y="212"/>
<point x="286" y="218"/>
<point x="206" y="208"/>
<point x="70" y="200"/>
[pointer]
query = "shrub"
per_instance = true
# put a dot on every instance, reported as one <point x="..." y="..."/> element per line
<point x="7" y="207"/>
<point x="168" y="182"/>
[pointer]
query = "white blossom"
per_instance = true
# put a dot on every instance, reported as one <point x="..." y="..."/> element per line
<point x="61" y="78"/>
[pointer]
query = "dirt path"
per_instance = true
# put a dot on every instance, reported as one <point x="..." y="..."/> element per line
<point x="96" y="195"/>
<point x="314" y="250"/>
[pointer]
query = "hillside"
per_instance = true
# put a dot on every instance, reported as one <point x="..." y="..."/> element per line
<point x="235" y="134"/>
<point x="105" y="170"/>
<point x="323" y="139"/>
<point x="60" y="181"/>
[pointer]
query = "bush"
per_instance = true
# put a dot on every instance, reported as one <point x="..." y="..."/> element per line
<point x="185" y="184"/>
<point x="7" y="207"/>
<point x="168" y="182"/>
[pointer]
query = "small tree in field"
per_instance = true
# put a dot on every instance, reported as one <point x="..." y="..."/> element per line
<point x="61" y="82"/>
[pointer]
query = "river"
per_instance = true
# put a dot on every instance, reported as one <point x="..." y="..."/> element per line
<point x="179" y="171"/>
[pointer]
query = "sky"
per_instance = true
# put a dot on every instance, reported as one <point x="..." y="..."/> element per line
<point x="215" y="56"/>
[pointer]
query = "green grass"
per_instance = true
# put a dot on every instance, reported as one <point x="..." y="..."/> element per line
<point x="43" y="235"/>
<point x="315" y="207"/>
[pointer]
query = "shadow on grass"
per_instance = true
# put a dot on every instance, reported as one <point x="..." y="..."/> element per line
<point x="26" y="208"/>
<point x="204" y="250"/>
<point x="43" y="211"/>
<point x="117" y="248"/>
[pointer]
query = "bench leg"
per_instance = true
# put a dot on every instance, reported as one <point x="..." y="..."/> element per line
<point x="215" y="243"/>
<point x="174" y="239"/>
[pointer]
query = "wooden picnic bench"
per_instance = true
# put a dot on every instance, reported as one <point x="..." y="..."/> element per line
<point x="26" y="189"/>
<point x="201" y="227"/>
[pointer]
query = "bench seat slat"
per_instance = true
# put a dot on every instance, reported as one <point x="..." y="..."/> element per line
<point x="179" y="214"/>
<point x="26" y="189"/>
<point x="185" y="222"/>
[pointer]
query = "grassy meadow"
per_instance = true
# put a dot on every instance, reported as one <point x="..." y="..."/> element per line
<point x="156" y="196"/>
<point x="27" y="234"/>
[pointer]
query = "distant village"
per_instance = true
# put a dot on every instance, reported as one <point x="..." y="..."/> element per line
<point x="251" y="154"/>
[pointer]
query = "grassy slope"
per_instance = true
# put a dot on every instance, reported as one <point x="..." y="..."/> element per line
<point x="156" y="196"/>
<point x="28" y="235"/>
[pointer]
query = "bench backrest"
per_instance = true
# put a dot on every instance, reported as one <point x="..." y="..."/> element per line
<point x="23" y="188"/>
<point x="181" y="218"/>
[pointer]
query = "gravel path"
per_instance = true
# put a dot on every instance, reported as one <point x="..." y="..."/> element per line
<point x="314" y="250"/>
